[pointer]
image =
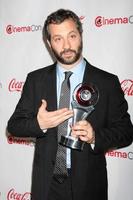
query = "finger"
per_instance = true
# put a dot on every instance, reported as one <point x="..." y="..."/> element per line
<point x="60" y="112"/>
<point x="80" y="132"/>
<point x="56" y="121"/>
<point x="84" y="139"/>
<point x="82" y="123"/>
<point x="43" y="106"/>
<point x="44" y="102"/>
<point x="79" y="128"/>
<point x="62" y="117"/>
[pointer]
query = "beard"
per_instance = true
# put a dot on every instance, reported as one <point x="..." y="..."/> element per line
<point x="70" y="59"/>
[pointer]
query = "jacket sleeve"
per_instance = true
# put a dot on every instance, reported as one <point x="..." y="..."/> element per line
<point x="118" y="131"/>
<point x="23" y="122"/>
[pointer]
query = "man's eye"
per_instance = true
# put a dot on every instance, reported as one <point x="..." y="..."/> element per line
<point x="57" y="39"/>
<point x="73" y="36"/>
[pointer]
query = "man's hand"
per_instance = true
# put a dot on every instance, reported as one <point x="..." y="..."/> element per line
<point x="53" y="118"/>
<point x="84" y="131"/>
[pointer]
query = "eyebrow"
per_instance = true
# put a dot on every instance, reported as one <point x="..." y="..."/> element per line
<point x="61" y="35"/>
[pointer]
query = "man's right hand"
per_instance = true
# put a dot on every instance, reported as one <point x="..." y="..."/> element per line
<point x="50" y="119"/>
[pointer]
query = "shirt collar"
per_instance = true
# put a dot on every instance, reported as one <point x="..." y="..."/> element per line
<point x="78" y="69"/>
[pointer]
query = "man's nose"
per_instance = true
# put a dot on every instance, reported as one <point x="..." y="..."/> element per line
<point x="67" y="44"/>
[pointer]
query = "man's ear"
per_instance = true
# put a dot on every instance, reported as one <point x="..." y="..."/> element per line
<point x="48" y="42"/>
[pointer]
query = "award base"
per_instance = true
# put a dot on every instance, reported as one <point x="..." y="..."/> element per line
<point x="72" y="143"/>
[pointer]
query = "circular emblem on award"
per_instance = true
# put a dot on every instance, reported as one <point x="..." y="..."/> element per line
<point x="85" y="97"/>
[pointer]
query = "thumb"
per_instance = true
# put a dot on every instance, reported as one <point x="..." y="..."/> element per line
<point x="43" y="105"/>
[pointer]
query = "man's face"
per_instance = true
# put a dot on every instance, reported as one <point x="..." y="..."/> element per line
<point x="66" y="42"/>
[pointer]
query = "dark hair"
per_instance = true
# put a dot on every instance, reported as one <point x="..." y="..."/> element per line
<point x="58" y="17"/>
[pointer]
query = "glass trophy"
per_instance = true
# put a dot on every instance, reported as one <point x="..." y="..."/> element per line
<point x="85" y="97"/>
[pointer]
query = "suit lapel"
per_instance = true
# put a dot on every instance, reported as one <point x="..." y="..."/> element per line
<point x="89" y="74"/>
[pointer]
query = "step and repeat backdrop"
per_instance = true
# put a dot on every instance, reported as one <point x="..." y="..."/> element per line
<point x="108" y="44"/>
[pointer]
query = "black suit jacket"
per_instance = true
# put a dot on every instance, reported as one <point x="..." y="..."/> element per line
<point x="110" y="121"/>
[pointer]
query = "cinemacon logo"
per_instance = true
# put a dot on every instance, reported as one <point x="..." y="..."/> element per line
<point x="103" y="21"/>
<point x="10" y="29"/>
<point x="13" y="195"/>
<point x="22" y="141"/>
<point x="120" y="154"/>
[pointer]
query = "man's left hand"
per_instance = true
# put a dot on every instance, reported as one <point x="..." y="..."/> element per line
<point x="84" y="131"/>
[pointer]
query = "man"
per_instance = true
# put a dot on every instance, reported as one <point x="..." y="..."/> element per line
<point x="39" y="115"/>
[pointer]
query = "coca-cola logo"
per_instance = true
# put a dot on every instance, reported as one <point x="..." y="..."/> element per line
<point x="15" y="85"/>
<point x="127" y="87"/>
<point x="22" y="141"/>
<point x="17" y="196"/>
